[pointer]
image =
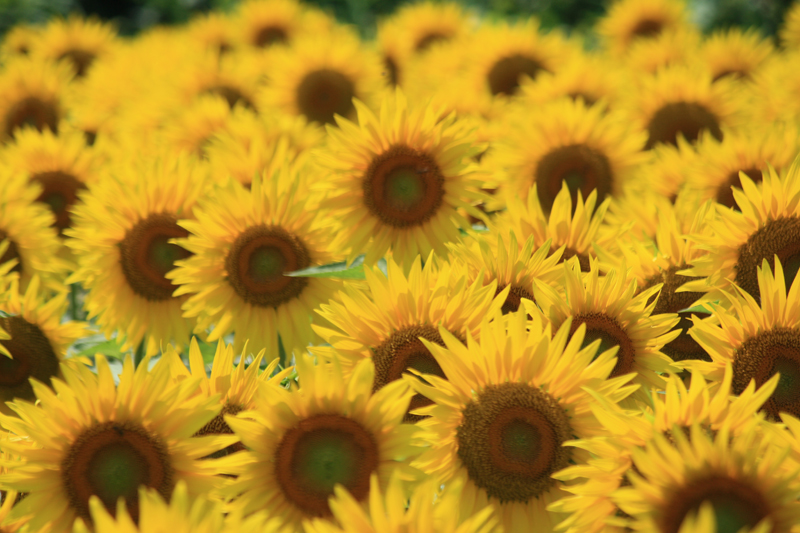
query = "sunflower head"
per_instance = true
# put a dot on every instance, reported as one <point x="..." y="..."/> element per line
<point x="267" y="23"/>
<point x="76" y="41"/>
<point x="735" y="53"/>
<point x="629" y="21"/>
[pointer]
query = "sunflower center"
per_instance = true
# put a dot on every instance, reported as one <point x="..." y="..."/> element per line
<point x="647" y="28"/>
<point x="580" y="167"/>
<point x="607" y="329"/>
<point x="403" y="187"/>
<point x="12" y="252"/>
<point x="324" y="93"/>
<point x="320" y="452"/>
<point x="510" y="441"/>
<point x="232" y="95"/>
<point x="111" y="460"/>
<point x="269" y="35"/>
<point x="725" y="193"/>
<point x="761" y="357"/>
<point x="218" y="426"/>
<point x="258" y="260"/>
<point x="589" y="100"/>
<point x="514" y="298"/>
<point x="737" y="504"/>
<point x="81" y="60"/>
<point x="583" y="259"/>
<point x="59" y="191"/>
<point x="779" y="237"/>
<point x="33" y="357"/>
<point x="391" y="70"/>
<point x="146" y="255"/>
<point x="32" y="111"/>
<point x="403" y="350"/>
<point x="429" y="39"/>
<point x="506" y="74"/>
<point x="681" y="118"/>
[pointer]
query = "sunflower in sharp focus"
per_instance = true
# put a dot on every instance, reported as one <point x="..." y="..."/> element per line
<point x="304" y="441"/>
<point x="266" y="23"/>
<point x="562" y="142"/>
<point x="628" y="21"/>
<point x="513" y="399"/>
<point x="79" y="42"/>
<point x="38" y="339"/>
<point x="122" y="238"/>
<point x="31" y="93"/>
<point x="94" y="438"/>
<point x="387" y="321"/>
<point x="396" y="180"/>
<point x="243" y="242"/>
<point x="735" y="53"/>
<point x="618" y="317"/>
<point x="319" y="76"/>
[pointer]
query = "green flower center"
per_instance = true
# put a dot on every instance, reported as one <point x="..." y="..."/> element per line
<point x="404" y="189"/>
<point x="266" y="264"/>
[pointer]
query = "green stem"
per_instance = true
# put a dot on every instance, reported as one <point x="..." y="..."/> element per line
<point x="139" y="355"/>
<point x="74" y="312"/>
<point x="281" y="353"/>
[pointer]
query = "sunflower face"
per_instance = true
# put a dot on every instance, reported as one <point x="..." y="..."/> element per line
<point x="580" y="167"/>
<point x="32" y="111"/>
<point x="779" y="237"/>
<point x="607" y="329"/>
<point x="506" y="73"/>
<point x="32" y="356"/>
<point x="60" y="192"/>
<point x="324" y="93"/>
<point x="687" y="119"/>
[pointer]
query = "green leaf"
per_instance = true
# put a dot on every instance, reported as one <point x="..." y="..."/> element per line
<point x="207" y="349"/>
<point x="333" y="271"/>
<point x="698" y="309"/>
<point x="109" y="348"/>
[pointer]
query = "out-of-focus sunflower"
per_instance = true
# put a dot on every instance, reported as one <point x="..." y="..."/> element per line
<point x="192" y="129"/>
<point x="235" y="77"/>
<point x="628" y="21"/>
<point x="397" y="180"/>
<point x="565" y="142"/>
<point x="414" y="28"/>
<point x="80" y="42"/>
<point x="319" y="76"/>
<point x="264" y="23"/>
<point x="715" y="170"/>
<point x="93" y="437"/>
<point x="735" y="52"/>
<point x="513" y="399"/>
<point x="121" y="237"/>
<point x="391" y="512"/>
<point x="31" y="93"/>
<point x="213" y="31"/>
<point x="19" y="40"/>
<point x="737" y="242"/>
<point x="243" y="242"/>
<point x="675" y="47"/>
<point x="617" y="316"/>
<point x="387" y="321"/>
<point x="664" y="173"/>
<point x="39" y="340"/>
<point x="633" y="216"/>
<point x="303" y="442"/>
<point x="60" y="164"/>
<point x="790" y="31"/>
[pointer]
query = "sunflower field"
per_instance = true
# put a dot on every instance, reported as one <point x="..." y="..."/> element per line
<point x="269" y="272"/>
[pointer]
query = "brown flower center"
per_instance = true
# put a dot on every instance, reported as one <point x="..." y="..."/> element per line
<point x="81" y="60"/>
<point x="429" y="39"/>
<point x="607" y="329"/>
<point x="324" y="93"/>
<point x="33" y="357"/>
<point x="60" y="192"/>
<point x="506" y="74"/>
<point x="583" y="259"/>
<point x="684" y="118"/>
<point x="232" y="95"/>
<point x="32" y="111"/>
<point x="392" y="71"/>
<point x="269" y="35"/>
<point x="580" y="167"/>
<point x="779" y="237"/>
<point x="12" y="252"/>
<point x="647" y="28"/>
<point x="725" y="193"/>
<point x="514" y="298"/>
<point x="218" y="426"/>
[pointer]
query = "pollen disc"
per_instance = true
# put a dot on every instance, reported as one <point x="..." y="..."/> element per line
<point x="583" y="259"/>
<point x="111" y="460"/>
<point x="505" y="74"/>
<point x="218" y="426"/>
<point x="779" y="237"/>
<point x="257" y="261"/>
<point x="12" y="252"/>
<point x="60" y="192"/>
<point x="404" y="350"/>
<point x="33" y="357"/>
<point x="737" y="504"/>
<point x="647" y="28"/>
<point x="427" y="40"/>
<point x="320" y="452"/>
<point x="580" y="167"/>
<point x="514" y="298"/>
<point x="232" y="95"/>
<point x="403" y="187"/>
<point x="269" y="35"/>
<point x="610" y="333"/>
<point x="761" y="357"/>
<point x="32" y="111"/>
<point x="510" y="441"/>
<point x="81" y="60"/>
<point x="725" y="193"/>
<point x="686" y="118"/>
<point x="392" y="72"/>
<point x="325" y="93"/>
<point x="146" y="255"/>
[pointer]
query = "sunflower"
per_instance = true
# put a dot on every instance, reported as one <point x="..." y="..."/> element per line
<point x="386" y="321"/>
<point x="737" y="242"/>
<point x="78" y="41"/>
<point x="32" y="93"/>
<point x="513" y="398"/>
<point x="93" y="437"/>
<point x="664" y="174"/>
<point x="790" y="32"/>
<point x="234" y="77"/>
<point x="38" y="339"/>
<point x="397" y="181"/>
<point x="617" y="316"/>
<point x="121" y="236"/>
<point x="192" y="129"/>
<point x="715" y="170"/>
<point x="243" y="242"/>
<point x="319" y="76"/>
<point x="9" y="498"/>
<point x="629" y="21"/>
<point x="213" y="31"/>
<point x="61" y="165"/>
<point x="265" y="23"/>
<point x="19" y="40"/>
<point x="392" y="513"/>
<point x="774" y="89"/>
<point x="588" y="148"/>
<point x="736" y="53"/>
<point x="302" y="442"/>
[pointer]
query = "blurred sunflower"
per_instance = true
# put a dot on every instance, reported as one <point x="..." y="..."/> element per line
<point x="774" y="89"/>
<point x="303" y="442"/>
<point x="387" y="321"/>
<point x="121" y="237"/>
<point x="564" y="141"/>
<point x="213" y="31"/>
<point x="629" y="21"/>
<point x="790" y="31"/>
<point x="264" y="23"/>
<point x="633" y="216"/>
<point x="31" y="94"/>
<point x="191" y="130"/>
<point x="19" y="40"/>
<point x="234" y="77"/>
<point x="618" y="317"/>
<point x="735" y="52"/>
<point x="670" y="48"/>
<point x="242" y="244"/>
<point x="38" y="339"/>
<point x="397" y="180"/>
<point x="664" y="173"/>
<point x="513" y="399"/>
<point x="77" y="41"/>
<point x="95" y="438"/>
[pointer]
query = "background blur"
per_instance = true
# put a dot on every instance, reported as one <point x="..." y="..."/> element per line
<point x="131" y="16"/>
